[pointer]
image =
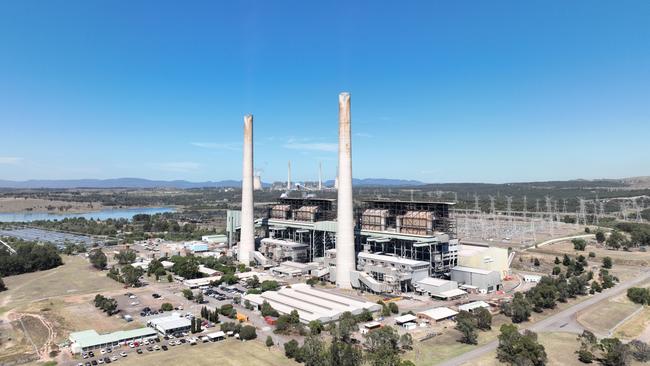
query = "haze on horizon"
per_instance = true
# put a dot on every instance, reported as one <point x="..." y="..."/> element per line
<point x="441" y="92"/>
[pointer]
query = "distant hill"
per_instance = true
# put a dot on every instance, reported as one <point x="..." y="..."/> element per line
<point x="381" y="182"/>
<point x="115" y="183"/>
<point x="180" y="184"/>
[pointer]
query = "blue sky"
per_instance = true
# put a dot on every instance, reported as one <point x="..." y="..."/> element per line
<point x="442" y="91"/>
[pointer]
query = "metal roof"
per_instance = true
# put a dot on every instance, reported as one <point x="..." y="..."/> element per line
<point x="439" y="313"/>
<point x="433" y="281"/>
<point x="473" y="305"/>
<point x="90" y="338"/>
<point x="405" y="318"/>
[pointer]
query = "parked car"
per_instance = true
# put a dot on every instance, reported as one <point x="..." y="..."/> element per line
<point x="139" y="351"/>
<point x="164" y="348"/>
<point x="123" y="354"/>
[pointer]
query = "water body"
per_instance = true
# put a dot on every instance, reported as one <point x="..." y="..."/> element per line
<point x="120" y="213"/>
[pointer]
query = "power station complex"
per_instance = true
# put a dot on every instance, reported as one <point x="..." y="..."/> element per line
<point x="375" y="245"/>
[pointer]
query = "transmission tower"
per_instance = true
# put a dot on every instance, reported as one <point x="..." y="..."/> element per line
<point x="583" y="211"/>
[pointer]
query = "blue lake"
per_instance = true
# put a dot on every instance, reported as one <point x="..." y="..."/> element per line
<point x="119" y="213"/>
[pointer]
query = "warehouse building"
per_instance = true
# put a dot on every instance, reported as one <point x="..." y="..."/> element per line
<point x="170" y="324"/>
<point x="311" y="303"/>
<point x="472" y="306"/>
<point x="484" y="280"/>
<point x="437" y="314"/>
<point x="89" y="340"/>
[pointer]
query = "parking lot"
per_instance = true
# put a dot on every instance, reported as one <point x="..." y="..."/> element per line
<point x="138" y="349"/>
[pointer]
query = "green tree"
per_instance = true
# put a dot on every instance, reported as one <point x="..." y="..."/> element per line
<point x="466" y="325"/>
<point x="314" y="352"/>
<point x="98" y="258"/>
<point x="267" y="310"/>
<point x="519" y="349"/>
<point x="607" y="262"/>
<point x="3" y="287"/>
<point x="579" y="244"/>
<point x="640" y="351"/>
<point x="393" y="308"/>
<point x="600" y="237"/>
<point x="166" y="306"/>
<point x="639" y="295"/>
<point x="131" y="275"/>
<point x="615" y="353"/>
<point x="615" y="240"/>
<point x="315" y="327"/>
<point x="187" y="293"/>
<point x="247" y="332"/>
<point x="253" y="282"/>
<point x="169" y="278"/>
<point x="406" y="341"/>
<point x="557" y="260"/>
<point x="269" y="341"/>
<point x="291" y="349"/>
<point x="483" y="319"/>
<point x="383" y="347"/>
<point x="126" y="256"/>
<point x="557" y="270"/>
<point x="520" y="308"/>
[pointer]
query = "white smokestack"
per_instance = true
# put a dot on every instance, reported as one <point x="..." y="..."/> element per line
<point x="320" y="176"/>
<point x="289" y="176"/>
<point x="345" y="254"/>
<point x="247" y="237"/>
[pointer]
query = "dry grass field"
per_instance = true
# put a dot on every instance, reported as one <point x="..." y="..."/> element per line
<point x="560" y="350"/>
<point x="446" y="345"/>
<point x="605" y="316"/>
<point x="20" y="204"/>
<point x="75" y="277"/>
<point x="226" y="353"/>
<point x="51" y="304"/>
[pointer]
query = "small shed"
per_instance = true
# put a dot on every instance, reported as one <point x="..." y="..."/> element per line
<point x="406" y="318"/>
<point x="472" y="306"/>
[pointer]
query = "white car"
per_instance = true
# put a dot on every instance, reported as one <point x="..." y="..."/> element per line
<point x="123" y="354"/>
<point x="156" y="347"/>
<point x="113" y="358"/>
<point x="103" y="351"/>
<point x="100" y="361"/>
<point x="146" y="342"/>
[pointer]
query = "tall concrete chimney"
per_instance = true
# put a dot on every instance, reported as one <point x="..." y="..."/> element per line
<point x="289" y="176"/>
<point x="247" y="237"/>
<point x="320" y="176"/>
<point x="345" y="255"/>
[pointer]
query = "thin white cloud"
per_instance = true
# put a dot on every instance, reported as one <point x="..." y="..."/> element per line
<point x="311" y="146"/>
<point x="216" y="145"/>
<point x="10" y="160"/>
<point x="179" y="166"/>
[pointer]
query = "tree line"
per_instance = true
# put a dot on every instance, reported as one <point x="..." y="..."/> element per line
<point x="29" y="257"/>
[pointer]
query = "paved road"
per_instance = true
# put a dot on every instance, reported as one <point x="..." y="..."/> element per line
<point x="563" y="321"/>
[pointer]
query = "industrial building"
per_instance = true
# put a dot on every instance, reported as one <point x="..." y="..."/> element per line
<point x="440" y="288"/>
<point x="378" y="245"/>
<point x="437" y="314"/>
<point x="170" y="324"/>
<point x="311" y="303"/>
<point x="484" y="280"/>
<point x="472" y="306"/>
<point x="485" y="257"/>
<point x="89" y="340"/>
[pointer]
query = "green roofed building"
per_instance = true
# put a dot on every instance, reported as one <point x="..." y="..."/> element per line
<point x="88" y="340"/>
